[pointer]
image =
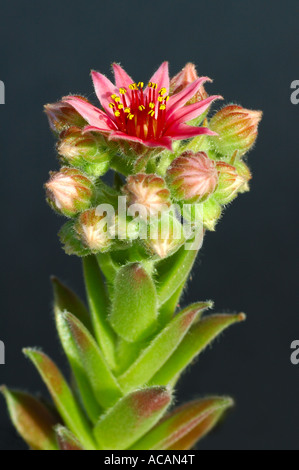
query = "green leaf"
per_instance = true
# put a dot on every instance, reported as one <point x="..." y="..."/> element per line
<point x="32" y="419"/>
<point x="200" y="431"/>
<point x="184" y="425"/>
<point x="169" y="307"/>
<point x="161" y="348"/>
<point x="99" y="304"/>
<point x="131" y="418"/>
<point x="173" y="272"/>
<point x="103" y="382"/>
<point x="134" y="306"/>
<point x="66" y="440"/>
<point x="66" y="299"/>
<point x="200" y="335"/>
<point x="69" y="345"/>
<point x="62" y="396"/>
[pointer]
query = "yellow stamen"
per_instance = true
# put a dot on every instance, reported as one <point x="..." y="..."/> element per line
<point x="131" y="116"/>
<point x="162" y="106"/>
<point x="120" y="106"/>
<point x="152" y="105"/>
<point x="127" y="110"/>
<point x="140" y="85"/>
<point x="113" y="96"/>
<point x="133" y="86"/>
<point x="122" y="91"/>
<point x="162" y="91"/>
<point x="152" y="113"/>
<point x="111" y="105"/>
<point x="117" y="113"/>
<point x="141" y="107"/>
<point x="117" y="99"/>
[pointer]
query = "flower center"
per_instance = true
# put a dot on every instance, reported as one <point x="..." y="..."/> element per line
<point x="141" y="113"/>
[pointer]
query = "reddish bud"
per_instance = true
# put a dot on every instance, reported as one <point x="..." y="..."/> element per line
<point x="93" y="231"/>
<point x="186" y="76"/>
<point x="86" y="151"/>
<point x="237" y="129"/>
<point x="62" y="115"/>
<point x="149" y="191"/>
<point x="69" y="191"/>
<point x="192" y="177"/>
<point x="230" y="183"/>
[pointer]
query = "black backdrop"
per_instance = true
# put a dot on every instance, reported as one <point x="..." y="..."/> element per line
<point x="250" y="49"/>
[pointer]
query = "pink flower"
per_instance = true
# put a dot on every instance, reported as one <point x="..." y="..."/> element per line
<point x="143" y="115"/>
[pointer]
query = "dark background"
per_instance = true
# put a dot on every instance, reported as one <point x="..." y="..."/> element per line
<point x="250" y="49"/>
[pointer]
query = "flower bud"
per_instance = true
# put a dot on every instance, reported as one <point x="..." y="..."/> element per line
<point x="69" y="191"/>
<point x="61" y="115"/>
<point x="186" y="76"/>
<point x="211" y="213"/>
<point x="86" y="151"/>
<point x="230" y="183"/>
<point x="236" y="128"/>
<point x="93" y="231"/>
<point x="70" y="240"/>
<point x="149" y="191"/>
<point x="192" y="177"/>
<point x="166" y="235"/>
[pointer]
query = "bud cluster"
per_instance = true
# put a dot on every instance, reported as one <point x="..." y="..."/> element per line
<point x="199" y="177"/>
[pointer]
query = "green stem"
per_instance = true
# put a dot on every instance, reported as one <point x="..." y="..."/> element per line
<point x="99" y="306"/>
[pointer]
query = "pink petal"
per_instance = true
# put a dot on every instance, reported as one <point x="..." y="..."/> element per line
<point x="165" y="141"/>
<point x="96" y="129"/>
<point x="104" y="88"/>
<point x="161" y="77"/>
<point x="184" y="131"/>
<point x="90" y="113"/>
<point x="186" y="113"/>
<point x="122" y="79"/>
<point x="179" y="99"/>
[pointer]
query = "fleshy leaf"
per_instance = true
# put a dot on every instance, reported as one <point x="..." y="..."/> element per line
<point x="103" y="382"/>
<point x="134" y="306"/>
<point x="32" y="419"/>
<point x="131" y="418"/>
<point x="200" y="335"/>
<point x="170" y="306"/>
<point x="66" y="299"/>
<point x="173" y="273"/>
<point x="199" y="431"/>
<point x="99" y="304"/>
<point x="185" y="425"/>
<point x="161" y="348"/>
<point x="87" y="396"/>
<point x="66" y="440"/>
<point x="62" y="396"/>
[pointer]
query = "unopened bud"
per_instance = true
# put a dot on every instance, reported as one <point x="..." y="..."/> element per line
<point x="148" y="191"/>
<point x="70" y="240"/>
<point x="166" y="235"/>
<point x="62" y="115"/>
<point x="186" y="76"/>
<point x="69" y="191"/>
<point x="211" y="213"/>
<point x="230" y="183"/>
<point x="93" y="231"/>
<point x="192" y="177"/>
<point x="237" y="129"/>
<point x="86" y="151"/>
